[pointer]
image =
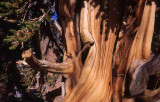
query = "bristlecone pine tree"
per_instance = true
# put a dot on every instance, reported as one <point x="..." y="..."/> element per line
<point x="107" y="51"/>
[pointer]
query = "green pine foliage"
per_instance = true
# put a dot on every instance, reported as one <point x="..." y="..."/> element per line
<point x="22" y="19"/>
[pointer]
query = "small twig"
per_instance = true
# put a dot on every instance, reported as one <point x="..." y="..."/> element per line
<point x="22" y="45"/>
<point x="34" y="3"/>
<point x="41" y="17"/>
<point x="58" y="26"/>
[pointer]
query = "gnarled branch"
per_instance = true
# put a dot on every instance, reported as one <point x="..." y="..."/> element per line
<point x="59" y="68"/>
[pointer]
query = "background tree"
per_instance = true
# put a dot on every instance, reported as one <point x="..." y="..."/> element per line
<point x="28" y="24"/>
<point x="107" y="50"/>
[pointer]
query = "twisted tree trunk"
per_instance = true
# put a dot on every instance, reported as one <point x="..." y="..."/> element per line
<point x="101" y="36"/>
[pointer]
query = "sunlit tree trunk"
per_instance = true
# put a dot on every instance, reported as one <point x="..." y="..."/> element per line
<point x="103" y="41"/>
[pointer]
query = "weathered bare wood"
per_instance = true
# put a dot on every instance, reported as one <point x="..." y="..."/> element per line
<point x="134" y="43"/>
<point x="85" y="33"/>
<point x="92" y="80"/>
<point x="59" y="68"/>
<point x="140" y="72"/>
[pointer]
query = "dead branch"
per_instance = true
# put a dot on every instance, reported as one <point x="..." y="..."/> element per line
<point x="30" y="5"/>
<point x="59" y="68"/>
